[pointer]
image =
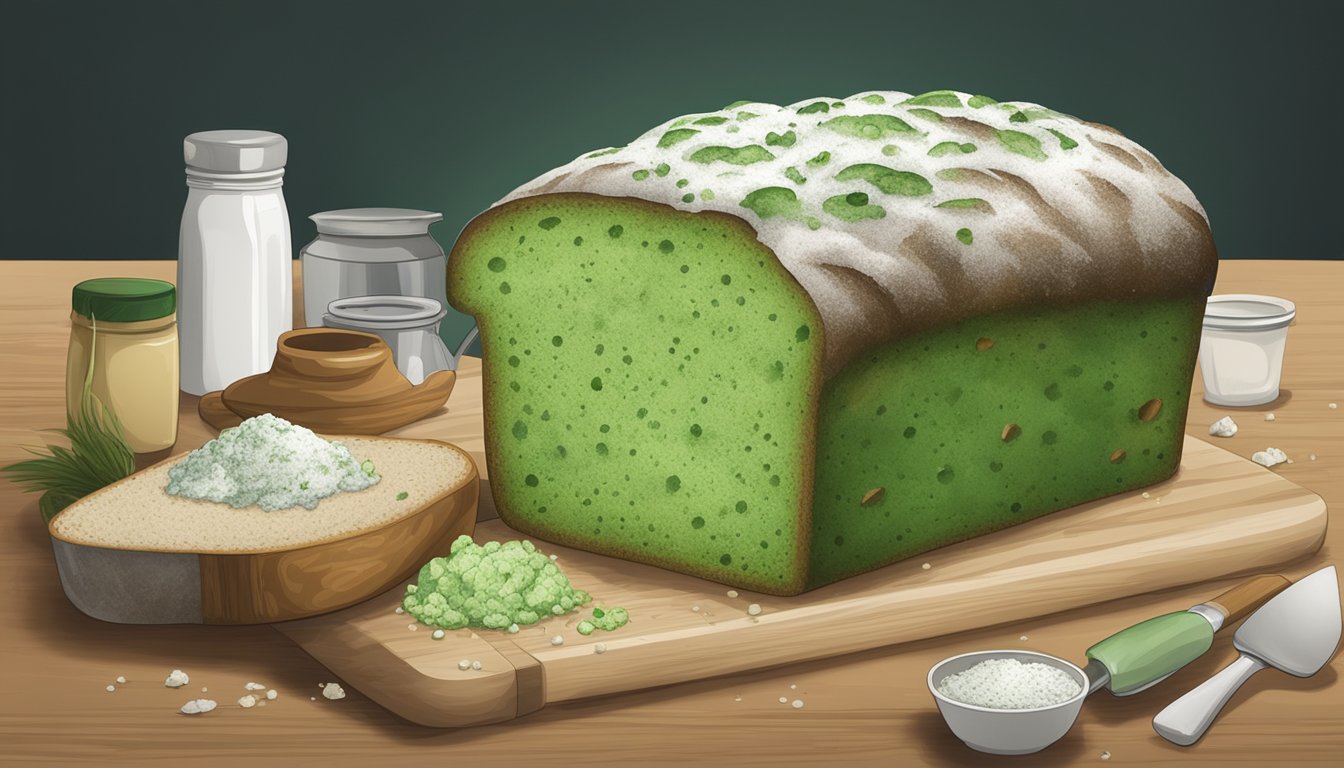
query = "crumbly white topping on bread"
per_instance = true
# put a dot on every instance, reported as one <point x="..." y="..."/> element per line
<point x="899" y="212"/>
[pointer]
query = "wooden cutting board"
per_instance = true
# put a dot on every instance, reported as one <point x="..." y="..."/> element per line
<point x="1220" y="515"/>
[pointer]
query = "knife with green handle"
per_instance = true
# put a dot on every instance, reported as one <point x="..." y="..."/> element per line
<point x="1147" y="653"/>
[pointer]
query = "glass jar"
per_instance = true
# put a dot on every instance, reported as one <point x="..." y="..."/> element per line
<point x="235" y="268"/>
<point x="126" y="328"/>
<point x="372" y="252"/>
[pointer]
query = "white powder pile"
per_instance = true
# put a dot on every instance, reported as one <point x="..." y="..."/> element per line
<point x="1010" y="684"/>
<point x="271" y="463"/>
<point x="1224" y="427"/>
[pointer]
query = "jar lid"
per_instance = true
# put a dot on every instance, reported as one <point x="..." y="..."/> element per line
<point x="375" y="222"/>
<point x="387" y="312"/>
<point x="124" y="299"/>
<point x="1248" y="311"/>
<point x="235" y="151"/>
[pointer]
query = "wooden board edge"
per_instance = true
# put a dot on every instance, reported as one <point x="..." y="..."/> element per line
<point x="1287" y="534"/>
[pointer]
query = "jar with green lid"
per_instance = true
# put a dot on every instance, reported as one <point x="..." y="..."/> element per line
<point x="126" y="327"/>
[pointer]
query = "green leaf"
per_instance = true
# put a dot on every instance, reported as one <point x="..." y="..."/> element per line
<point x="888" y="180"/>
<point x="674" y="136"/>
<point x="1021" y="143"/>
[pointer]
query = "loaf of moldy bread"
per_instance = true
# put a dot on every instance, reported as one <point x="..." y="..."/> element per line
<point x="778" y="346"/>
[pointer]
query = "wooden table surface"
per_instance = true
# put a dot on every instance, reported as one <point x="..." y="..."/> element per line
<point x="865" y="709"/>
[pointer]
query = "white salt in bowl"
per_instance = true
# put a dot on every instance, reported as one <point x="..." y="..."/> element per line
<point x="1007" y="731"/>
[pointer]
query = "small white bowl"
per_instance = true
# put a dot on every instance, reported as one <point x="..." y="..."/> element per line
<point x="1007" y="731"/>
<point x="1241" y="348"/>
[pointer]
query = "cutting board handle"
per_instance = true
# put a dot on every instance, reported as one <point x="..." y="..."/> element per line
<point x="1240" y="601"/>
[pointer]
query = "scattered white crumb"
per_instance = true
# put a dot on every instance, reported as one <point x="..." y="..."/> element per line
<point x="1311" y="456"/>
<point x="793" y="687"/>
<point x="204" y="689"/>
<point x="333" y="691"/>
<point x="754" y="609"/>
<point x="272" y="694"/>
<point x="513" y="629"/>
<point x="1147" y="495"/>
<point x="198" y="707"/>
<point x="783" y="699"/>
<point x="555" y="557"/>
<point x="1269" y="417"/>
<point x="557" y="640"/>
<point x="926" y="566"/>
<point x="400" y="610"/>
<point x="600" y="648"/>
<point x="737" y="697"/>
<point x="797" y="703"/>
<point x="312" y="698"/>
<point x="1334" y="406"/>
<point x="464" y="664"/>
<point x="247" y="702"/>
<point x="411" y="627"/>
<point x="176" y="679"/>
<point x="1224" y="427"/>
<point x="732" y="593"/>
<point x="1023" y="638"/>
<point x="1105" y="755"/>
<point x="476" y="665"/>
<point x="695" y="608"/>
<point x="437" y="634"/>
<point x="111" y="688"/>
<point x="250" y="686"/>
<point x="121" y="679"/>
<point x="1269" y="457"/>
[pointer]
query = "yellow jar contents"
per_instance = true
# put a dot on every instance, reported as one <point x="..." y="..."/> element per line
<point x="127" y="329"/>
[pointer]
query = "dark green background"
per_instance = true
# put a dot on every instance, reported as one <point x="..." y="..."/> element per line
<point x="449" y="105"/>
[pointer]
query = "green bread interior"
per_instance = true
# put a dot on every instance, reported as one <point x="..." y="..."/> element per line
<point x="924" y="420"/>
<point x="650" y="385"/>
<point x="652" y="391"/>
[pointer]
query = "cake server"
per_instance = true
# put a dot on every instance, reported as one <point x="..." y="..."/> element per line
<point x="1125" y="663"/>
<point x="1296" y="632"/>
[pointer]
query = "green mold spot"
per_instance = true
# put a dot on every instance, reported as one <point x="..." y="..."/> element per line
<point x="769" y="202"/>
<point x="965" y="236"/>
<point x="852" y="207"/>
<point x="1064" y="141"/>
<point x="1016" y="507"/>
<point x="1049" y="437"/>
<point x="737" y="104"/>
<point x="815" y="107"/>
<point x="497" y="264"/>
<point x="868" y="126"/>
<point x="935" y="99"/>
<point x="602" y="449"/>
<point x="557" y="341"/>
<point x="821" y="159"/>
<point x="891" y="150"/>
<point x="711" y="120"/>
<point x="888" y="180"/>
<point x="752" y="153"/>
<point x="681" y="183"/>
<point x="1052" y="392"/>
<point x="706" y="194"/>
<point x="676" y="136"/>
<point x="666" y="246"/>
<point x="787" y="139"/>
<point x="696" y="430"/>
<point x="726" y="279"/>
<point x="520" y="430"/>
<point x="531" y="481"/>
<point x="743" y="116"/>
<point x="813" y="223"/>
<point x="403" y="495"/>
<point x="944" y="148"/>
<point x="662" y="170"/>
<point x="616" y="231"/>
<point x="514" y="361"/>
<point x="926" y="114"/>
<point x="578" y="240"/>
<point x="1020" y="143"/>
<point x="505" y="288"/>
<point x="803" y="333"/>
<point x="873" y="98"/>
<point x="976" y="102"/>
<point x="1032" y="113"/>
<point x="689" y="197"/>
<point x="601" y="152"/>
<point x="725" y="559"/>
<point x="967" y="203"/>
<point x="550" y="222"/>
<point x="697" y="522"/>
<point x="741" y="507"/>
<point x="673" y="483"/>
<point x="640" y="175"/>
<point x="792" y="174"/>
<point x="596" y="383"/>
<point x="946" y="475"/>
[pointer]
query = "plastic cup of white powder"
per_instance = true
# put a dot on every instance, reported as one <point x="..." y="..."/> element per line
<point x="1008" y="702"/>
<point x="1241" y="348"/>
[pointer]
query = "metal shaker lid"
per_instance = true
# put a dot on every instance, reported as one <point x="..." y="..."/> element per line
<point x="385" y="312"/>
<point x="235" y="151"/>
<point x="375" y="222"/>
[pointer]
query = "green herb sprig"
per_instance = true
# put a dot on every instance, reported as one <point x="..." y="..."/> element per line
<point x="97" y="457"/>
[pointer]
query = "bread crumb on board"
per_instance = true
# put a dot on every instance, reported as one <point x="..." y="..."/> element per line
<point x="333" y="691"/>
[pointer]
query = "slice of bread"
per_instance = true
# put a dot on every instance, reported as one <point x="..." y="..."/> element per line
<point x="131" y="553"/>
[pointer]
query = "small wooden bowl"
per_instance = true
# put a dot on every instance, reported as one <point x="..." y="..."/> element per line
<point x="332" y="381"/>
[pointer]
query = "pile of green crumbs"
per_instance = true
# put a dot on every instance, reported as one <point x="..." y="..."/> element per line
<point x="496" y="586"/>
<point x="269" y="462"/>
<point x="609" y="620"/>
